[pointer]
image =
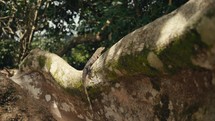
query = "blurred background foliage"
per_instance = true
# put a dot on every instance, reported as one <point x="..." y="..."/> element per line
<point x="73" y="29"/>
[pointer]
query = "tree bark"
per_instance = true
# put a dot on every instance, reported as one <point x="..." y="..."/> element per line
<point x="78" y="40"/>
<point x="31" y="21"/>
<point x="170" y="43"/>
<point x="163" y="71"/>
<point x="89" y="38"/>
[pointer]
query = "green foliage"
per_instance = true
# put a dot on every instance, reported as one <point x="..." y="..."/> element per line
<point x="60" y="20"/>
<point x="79" y="55"/>
<point x="8" y="53"/>
<point x="51" y="44"/>
<point x="124" y="16"/>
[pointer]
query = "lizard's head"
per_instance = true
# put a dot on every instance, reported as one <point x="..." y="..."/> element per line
<point x="101" y="49"/>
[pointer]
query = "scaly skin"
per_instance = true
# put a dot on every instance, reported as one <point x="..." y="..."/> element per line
<point x="87" y="69"/>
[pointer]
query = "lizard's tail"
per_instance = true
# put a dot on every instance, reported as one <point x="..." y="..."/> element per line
<point x="90" y="103"/>
<point x="88" y="99"/>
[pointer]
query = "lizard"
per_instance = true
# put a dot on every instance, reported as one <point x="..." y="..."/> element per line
<point x="87" y="70"/>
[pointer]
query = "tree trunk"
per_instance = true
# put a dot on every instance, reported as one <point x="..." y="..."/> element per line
<point x="163" y="71"/>
<point x="26" y="39"/>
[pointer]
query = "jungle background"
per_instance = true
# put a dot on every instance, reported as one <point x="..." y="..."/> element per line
<point x="73" y="29"/>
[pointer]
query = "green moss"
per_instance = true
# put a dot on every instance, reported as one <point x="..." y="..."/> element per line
<point x="136" y="64"/>
<point x="48" y="63"/>
<point x="41" y="60"/>
<point x="132" y="65"/>
<point x="111" y="74"/>
<point x="58" y="79"/>
<point x="94" y="92"/>
<point x="179" y="53"/>
<point x="176" y="56"/>
<point x="78" y="85"/>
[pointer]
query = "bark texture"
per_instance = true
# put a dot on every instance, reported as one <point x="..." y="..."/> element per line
<point x="163" y="71"/>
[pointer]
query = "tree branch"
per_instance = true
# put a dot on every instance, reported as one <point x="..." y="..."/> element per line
<point x="85" y="38"/>
<point x="78" y="40"/>
<point x="164" y="46"/>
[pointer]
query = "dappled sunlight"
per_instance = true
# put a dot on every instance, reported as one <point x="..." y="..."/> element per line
<point x="162" y="71"/>
<point x="172" y="28"/>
